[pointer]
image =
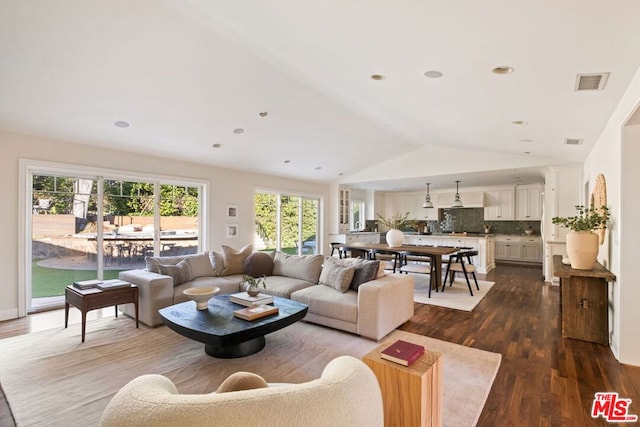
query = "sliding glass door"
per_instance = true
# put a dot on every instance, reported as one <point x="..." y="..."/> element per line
<point x="87" y="227"/>
<point x="288" y="223"/>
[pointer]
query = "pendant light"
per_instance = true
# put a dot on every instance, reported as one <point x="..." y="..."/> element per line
<point x="457" y="203"/>
<point x="427" y="200"/>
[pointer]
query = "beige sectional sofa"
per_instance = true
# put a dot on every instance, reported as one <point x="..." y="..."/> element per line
<point x="340" y="294"/>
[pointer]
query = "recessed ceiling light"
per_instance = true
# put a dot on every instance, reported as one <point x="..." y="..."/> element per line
<point x="121" y="124"/>
<point x="238" y="131"/>
<point x="433" y="74"/>
<point x="503" y="69"/>
<point x="377" y="77"/>
<point x="263" y="114"/>
<point x="519" y="122"/>
<point x="318" y="168"/>
<point x="216" y="145"/>
<point x="287" y="161"/>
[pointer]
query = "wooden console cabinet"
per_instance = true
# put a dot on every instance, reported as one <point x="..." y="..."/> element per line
<point x="584" y="301"/>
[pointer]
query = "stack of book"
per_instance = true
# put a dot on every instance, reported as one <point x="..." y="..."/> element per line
<point x="253" y="313"/>
<point x="402" y="352"/>
<point x="244" y="298"/>
<point x="86" y="284"/>
<point x="112" y="284"/>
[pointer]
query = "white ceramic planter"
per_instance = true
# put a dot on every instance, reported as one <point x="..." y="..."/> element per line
<point x="395" y="238"/>
<point x="582" y="249"/>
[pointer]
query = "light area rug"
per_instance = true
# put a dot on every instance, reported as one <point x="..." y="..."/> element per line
<point x="456" y="296"/>
<point x="51" y="378"/>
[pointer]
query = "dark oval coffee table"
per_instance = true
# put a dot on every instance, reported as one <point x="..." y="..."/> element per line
<point x="223" y="334"/>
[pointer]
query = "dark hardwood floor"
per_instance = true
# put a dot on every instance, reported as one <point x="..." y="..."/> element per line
<point x="544" y="380"/>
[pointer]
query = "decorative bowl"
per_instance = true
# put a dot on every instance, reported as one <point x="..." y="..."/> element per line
<point x="528" y="232"/>
<point x="201" y="295"/>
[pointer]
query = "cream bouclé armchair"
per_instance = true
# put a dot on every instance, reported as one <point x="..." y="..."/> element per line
<point x="346" y="394"/>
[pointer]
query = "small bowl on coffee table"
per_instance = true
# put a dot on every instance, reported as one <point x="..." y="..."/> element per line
<point x="201" y="295"/>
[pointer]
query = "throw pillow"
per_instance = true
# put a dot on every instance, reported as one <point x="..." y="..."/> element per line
<point x="217" y="262"/>
<point x="234" y="259"/>
<point x="303" y="267"/>
<point x="258" y="264"/>
<point x="365" y="271"/>
<point x="242" y="381"/>
<point x="201" y="265"/>
<point x="336" y="276"/>
<point x="181" y="272"/>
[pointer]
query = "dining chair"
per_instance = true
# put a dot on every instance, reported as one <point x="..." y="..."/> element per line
<point x="391" y="260"/>
<point x="419" y="264"/>
<point x="457" y="264"/>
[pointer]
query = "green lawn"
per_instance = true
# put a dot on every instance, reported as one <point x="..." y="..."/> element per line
<point x="50" y="282"/>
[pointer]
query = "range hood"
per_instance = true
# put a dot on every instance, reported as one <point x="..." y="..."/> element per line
<point x="470" y="199"/>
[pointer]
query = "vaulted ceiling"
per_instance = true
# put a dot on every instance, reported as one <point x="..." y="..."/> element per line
<point x="285" y="87"/>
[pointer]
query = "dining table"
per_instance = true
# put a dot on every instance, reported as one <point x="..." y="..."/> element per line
<point x="434" y="253"/>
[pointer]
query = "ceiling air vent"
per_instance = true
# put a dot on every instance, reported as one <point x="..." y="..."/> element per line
<point x="570" y="141"/>
<point x="591" y="81"/>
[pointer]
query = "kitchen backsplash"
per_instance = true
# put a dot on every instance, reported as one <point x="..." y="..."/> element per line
<point x="472" y="220"/>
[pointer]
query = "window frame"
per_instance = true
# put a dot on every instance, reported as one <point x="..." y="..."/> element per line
<point x="29" y="167"/>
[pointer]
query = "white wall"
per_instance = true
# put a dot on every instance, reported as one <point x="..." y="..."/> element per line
<point x="607" y="158"/>
<point x="226" y="187"/>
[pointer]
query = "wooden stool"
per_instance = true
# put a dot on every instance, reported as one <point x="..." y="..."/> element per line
<point x="411" y="395"/>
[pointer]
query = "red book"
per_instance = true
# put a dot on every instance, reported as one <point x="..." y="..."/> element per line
<point x="402" y="352"/>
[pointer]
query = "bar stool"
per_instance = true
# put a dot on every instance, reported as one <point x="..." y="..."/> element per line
<point x="457" y="264"/>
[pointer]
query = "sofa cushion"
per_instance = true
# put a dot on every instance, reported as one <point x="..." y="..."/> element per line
<point x="201" y="265"/>
<point x="217" y="262"/>
<point x="234" y="259"/>
<point x="258" y="264"/>
<point x="365" y="271"/>
<point x="152" y="263"/>
<point x="303" y="267"/>
<point x="181" y="272"/>
<point x="282" y="286"/>
<point x="329" y="302"/>
<point x="336" y="275"/>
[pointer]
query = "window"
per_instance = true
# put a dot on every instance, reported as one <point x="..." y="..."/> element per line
<point x="94" y="224"/>
<point x="287" y="223"/>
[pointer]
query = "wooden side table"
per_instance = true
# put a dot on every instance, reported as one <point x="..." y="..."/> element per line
<point x="412" y="395"/>
<point x="93" y="298"/>
<point x="584" y="301"/>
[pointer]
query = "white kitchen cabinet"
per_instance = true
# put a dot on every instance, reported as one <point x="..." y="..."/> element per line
<point x="529" y="203"/>
<point x="343" y="210"/>
<point x="498" y="205"/>
<point x="532" y="249"/>
<point x="508" y="248"/>
<point x="519" y="248"/>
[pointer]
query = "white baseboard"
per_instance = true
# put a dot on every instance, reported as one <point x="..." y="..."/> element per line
<point x="8" y="314"/>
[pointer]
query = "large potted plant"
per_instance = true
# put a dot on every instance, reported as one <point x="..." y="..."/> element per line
<point x="582" y="241"/>
<point x="395" y="237"/>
